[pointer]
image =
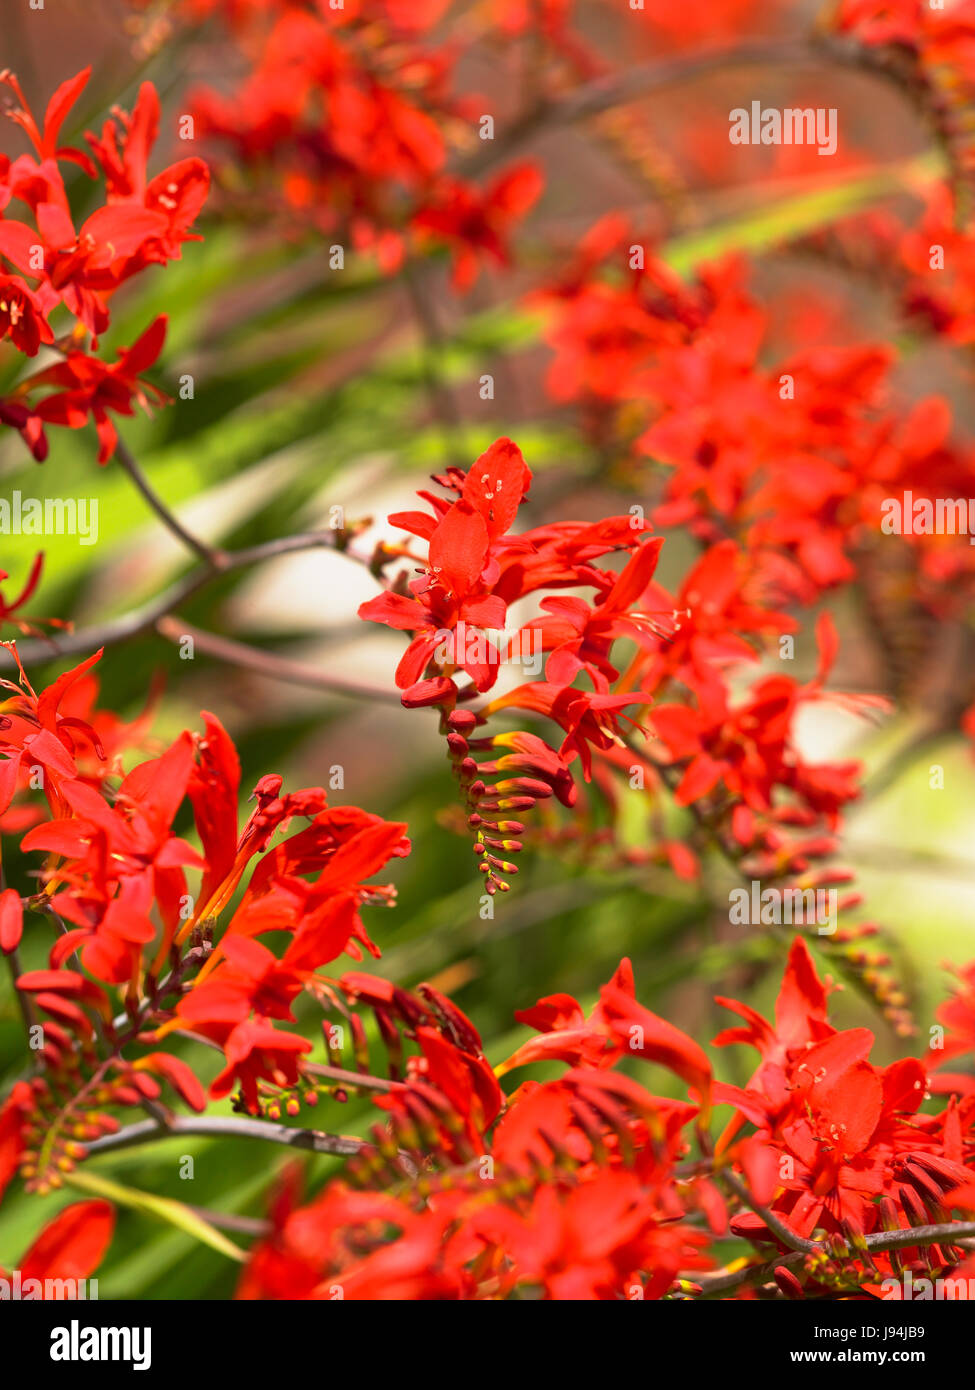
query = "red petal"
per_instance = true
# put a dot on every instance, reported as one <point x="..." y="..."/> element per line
<point x="11" y="920"/>
<point x="458" y="549"/>
<point x="72" y="1245"/>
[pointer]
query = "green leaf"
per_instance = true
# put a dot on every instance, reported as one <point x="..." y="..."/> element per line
<point x="165" y="1208"/>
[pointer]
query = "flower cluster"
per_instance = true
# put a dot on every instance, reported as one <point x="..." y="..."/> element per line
<point x="793" y="458"/>
<point x="342" y="121"/>
<point x="187" y="952"/>
<point x="58" y="279"/>
<point x="667" y="724"/>
<point x="581" y="1187"/>
<point x="133" y="957"/>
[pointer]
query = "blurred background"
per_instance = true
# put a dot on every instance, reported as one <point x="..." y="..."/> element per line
<point x="312" y="390"/>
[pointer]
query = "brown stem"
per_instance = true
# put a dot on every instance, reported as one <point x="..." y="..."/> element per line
<point x="785" y="1233"/>
<point x="230" y="1221"/>
<point x="215" y="559"/>
<point x="23" y="998"/>
<point x="363" y="1080"/>
<point x="280" y="668"/>
<point x="228" y="1127"/>
<point x="143" y="620"/>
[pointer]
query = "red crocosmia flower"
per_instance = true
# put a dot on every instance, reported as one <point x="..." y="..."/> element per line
<point x="800" y="1015"/>
<point x="45" y="141"/>
<point x="463" y="1076"/>
<point x="37" y="732"/>
<point x="496" y="485"/>
<point x="653" y="1039"/>
<point x="800" y="1021"/>
<point x="706" y="620"/>
<point x="90" y="387"/>
<point x="453" y="603"/>
<point x="473" y="222"/>
<point x="749" y="750"/>
<point x="255" y="1050"/>
<point x="128" y="845"/>
<point x="251" y="980"/>
<point x="617" y="1027"/>
<point x="567" y="1035"/>
<point x="579" y="636"/>
<point x="477" y="567"/>
<point x="111" y="949"/>
<point x="451" y="592"/>
<point x="71" y="1246"/>
<point x="451" y="1077"/>
<point x="142" y="222"/>
<point x="22" y="317"/>
<point x="339" y="1239"/>
<point x="590" y="720"/>
<point x="82" y="267"/>
<point x="347" y="846"/>
<point x="560" y="555"/>
<point x="175" y="196"/>
<point x="596" y="1241"/>
<point x="851" y="1131"/>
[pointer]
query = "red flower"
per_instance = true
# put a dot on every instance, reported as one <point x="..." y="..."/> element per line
<point x="472" y="222"/>
<point x="7" y="610"/>
<point x="580" y="636"/>
<point x="595" y="1241"/>
<point x="256" y="1050"/>
<point x="175" y="196"/>
<point x="70" y="1247"/>
<point x="566" y="1034"/>
<point x="453" y="602"/>
<point x="92" y="387"/>
<point x="143" y="221"/>
<point x="22" y="317"/>
<point x="844" y="1131"/>
<point x="748" y="750"/>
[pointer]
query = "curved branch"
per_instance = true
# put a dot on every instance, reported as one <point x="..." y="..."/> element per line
<point x="227" y="1127"/>
<point x="786" y="1235"/>
<point x="214" y="558"/>
<point x="143" y="620"/>
<point x="269" y="664"/>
